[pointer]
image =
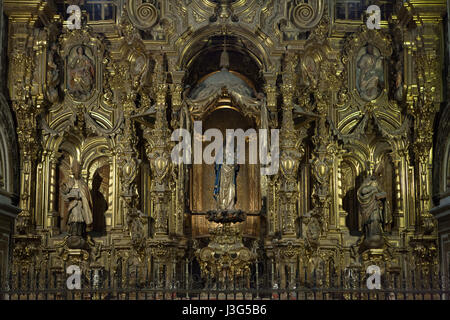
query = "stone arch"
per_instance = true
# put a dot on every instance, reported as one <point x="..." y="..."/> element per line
<point x="260" y="52"/>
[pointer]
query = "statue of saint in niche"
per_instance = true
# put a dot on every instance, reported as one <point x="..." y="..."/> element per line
<point x="81" y="74"/>
<point x="76" y="192"/>
<point x="375" y="212"/>
<point x="225" y="185"/>
<point x="369" y="73"/>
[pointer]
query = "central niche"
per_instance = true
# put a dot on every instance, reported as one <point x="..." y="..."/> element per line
<point x="248" y="179"/>
<point x="224" y="98"/>
<point x="204" y="174"/>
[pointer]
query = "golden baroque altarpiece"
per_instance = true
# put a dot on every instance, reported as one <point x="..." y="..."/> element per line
<point x="355" y="108"/>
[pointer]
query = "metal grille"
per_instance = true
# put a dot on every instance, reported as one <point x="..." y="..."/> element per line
<point x="146" y="284"/>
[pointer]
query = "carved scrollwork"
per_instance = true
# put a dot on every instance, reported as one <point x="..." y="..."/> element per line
<point x="143" y="14"/>
<point x="306" y="15"/>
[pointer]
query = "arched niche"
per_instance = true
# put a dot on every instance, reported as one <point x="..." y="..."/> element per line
<point x="224" y="84"/>
<point x="204" y="61"/>
<point x="248" y="179"/>
<point x="99" y="185"/>
<point x="96" y="171"/>
<point x="351" y="181"/>
<point x="374" y="157"/>
<point x="238" y="38"/>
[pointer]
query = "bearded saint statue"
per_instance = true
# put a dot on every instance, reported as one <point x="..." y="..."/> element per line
<point x="76" y="192"/>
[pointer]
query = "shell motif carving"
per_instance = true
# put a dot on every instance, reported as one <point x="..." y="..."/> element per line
<point x="306" y="15"/>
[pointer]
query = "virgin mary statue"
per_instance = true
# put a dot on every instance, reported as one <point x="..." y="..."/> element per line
<point x="225" y="185"/>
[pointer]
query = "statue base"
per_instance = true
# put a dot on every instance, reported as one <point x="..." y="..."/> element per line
<point x="225" y="258"/>
<point x="374" y="242"/>
<point x="76" y="242"/>
<point x="377" y="257"/>
<point x="226" y="216"/>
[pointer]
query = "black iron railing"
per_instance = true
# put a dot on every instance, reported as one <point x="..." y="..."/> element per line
<point x="140" y="284"/>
